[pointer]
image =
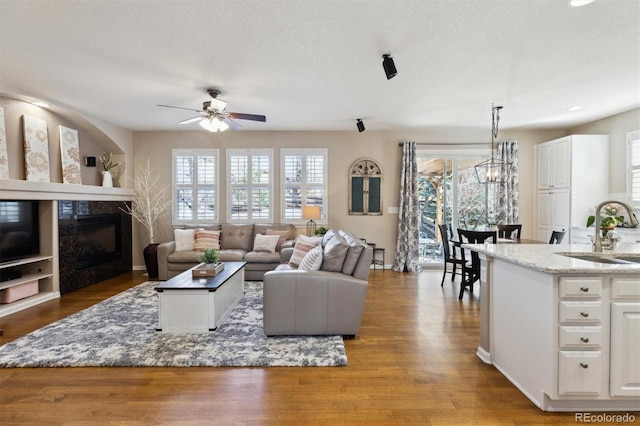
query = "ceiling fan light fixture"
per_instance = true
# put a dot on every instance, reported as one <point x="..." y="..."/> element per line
<point x="360" y="125"/>
<point x="389" y="66"/>
<point x="213" y="124"/>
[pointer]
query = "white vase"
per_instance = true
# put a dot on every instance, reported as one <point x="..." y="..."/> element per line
<point x="107" y="179"/>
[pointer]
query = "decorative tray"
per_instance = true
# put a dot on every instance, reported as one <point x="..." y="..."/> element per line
<point x="203" y="271"/>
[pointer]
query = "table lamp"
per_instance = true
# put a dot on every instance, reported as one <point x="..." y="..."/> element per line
<point x="311" y="213"/>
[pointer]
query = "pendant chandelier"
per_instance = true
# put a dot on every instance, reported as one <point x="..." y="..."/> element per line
<point x="493" y="170"/>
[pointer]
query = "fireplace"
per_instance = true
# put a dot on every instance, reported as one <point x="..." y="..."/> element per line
<point x="95" y="242"/>
<point x="99" y="239"/>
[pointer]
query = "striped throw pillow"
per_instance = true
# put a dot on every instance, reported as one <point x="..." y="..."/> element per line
<point x="302" y="247"/>
<point x="312" y="260"/>
<point x="207" y="239"/>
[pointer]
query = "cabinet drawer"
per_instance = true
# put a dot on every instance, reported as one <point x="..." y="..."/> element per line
<point x="580" y="287"/>
<point x="580" y="372"/>
<point x="580" y="312"/>
<point x="580" y="337"/>
<point x="625" y="288"/>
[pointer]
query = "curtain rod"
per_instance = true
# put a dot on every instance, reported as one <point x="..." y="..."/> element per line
<point x="445" y="144"/>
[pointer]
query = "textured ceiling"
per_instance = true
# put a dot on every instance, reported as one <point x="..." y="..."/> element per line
<point x="316" y="65"/>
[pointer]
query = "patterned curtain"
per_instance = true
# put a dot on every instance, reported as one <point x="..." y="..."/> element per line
<point x="407" y="258"/>
<point x="508" y="207"/>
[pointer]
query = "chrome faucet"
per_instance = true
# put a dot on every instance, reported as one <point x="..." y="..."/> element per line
<point x="597" y="245"/>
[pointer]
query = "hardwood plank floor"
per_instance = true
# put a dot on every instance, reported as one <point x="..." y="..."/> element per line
<point x="412" y="363"/>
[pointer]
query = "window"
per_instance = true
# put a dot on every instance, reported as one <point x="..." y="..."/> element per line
<point x="633" y="186"/>
<point x="195" y="186"/>
<point x="249" y="177"/>
<point x="304" y="183"/>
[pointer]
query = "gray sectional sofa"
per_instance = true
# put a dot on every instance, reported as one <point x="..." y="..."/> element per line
<point x="327" y="301"/>
<point x="236" y="244"/>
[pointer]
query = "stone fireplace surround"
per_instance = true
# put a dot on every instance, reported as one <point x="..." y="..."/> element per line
<point x="74" y="278"/>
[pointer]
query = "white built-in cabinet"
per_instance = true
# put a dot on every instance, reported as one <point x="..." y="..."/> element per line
<point x="42" y="268"/>
<point x="572" y="177"/>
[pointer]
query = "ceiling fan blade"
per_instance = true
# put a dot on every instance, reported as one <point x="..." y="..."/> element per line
<point x="242" y="116"/>
<point x="191" y="120"/>
<point x="176" y="107"/>
<point x="232" y="124"/>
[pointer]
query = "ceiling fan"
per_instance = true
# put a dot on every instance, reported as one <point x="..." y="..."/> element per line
<point x="214" y="117"/>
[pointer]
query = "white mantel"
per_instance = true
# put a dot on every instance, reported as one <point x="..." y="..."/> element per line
<point x="13" y="189"/>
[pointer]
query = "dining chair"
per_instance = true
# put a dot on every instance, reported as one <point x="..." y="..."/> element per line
<point x="509" y="231"/>
<point x="470" y="258"/>
<point x="556" y="237"/>
<point x="450" y="253"/>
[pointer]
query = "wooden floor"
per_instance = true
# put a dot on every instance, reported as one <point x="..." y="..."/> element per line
<point x="412" y="363"/>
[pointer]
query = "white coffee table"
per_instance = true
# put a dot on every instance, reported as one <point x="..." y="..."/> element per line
<point x="188" y="305"/>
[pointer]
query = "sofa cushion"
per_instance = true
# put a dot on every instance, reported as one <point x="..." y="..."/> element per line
<point x="207" y="239"/>
<point x="282" y="237"/>
<point x="262" y="257"/>
<point x="312" y="260"/>
<point x="236" y="237"/>
<point x="356" y="246"/>
<point x="185" y="239"/>
<point x="184" y="256"/>
<point x="335" y="252"/>
<point x="232" y="255"/>
<point x="266" y="243"/>
<point x="302" y="247"/>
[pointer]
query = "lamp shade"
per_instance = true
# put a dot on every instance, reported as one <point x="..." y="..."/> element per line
<point x="311" y="212"/>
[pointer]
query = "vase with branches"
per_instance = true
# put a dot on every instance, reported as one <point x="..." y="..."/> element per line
<point x="149" y="202"/>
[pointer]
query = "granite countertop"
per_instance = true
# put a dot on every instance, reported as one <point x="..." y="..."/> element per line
<point x="543" y="257"/>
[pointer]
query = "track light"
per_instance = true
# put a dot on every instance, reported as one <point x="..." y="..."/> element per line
<point x="389" y="67"/>
<point x="360" y="125"/>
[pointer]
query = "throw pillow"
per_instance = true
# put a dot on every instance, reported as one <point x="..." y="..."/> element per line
<point x="335" y="252"/>
<point x="185" y="239"/>
<point x="302" y="247"/>
<point x="207" y="239"/>
<point x="312" y="260"/>
<point x="265" y="243"/>
<point x="283" y="237"/>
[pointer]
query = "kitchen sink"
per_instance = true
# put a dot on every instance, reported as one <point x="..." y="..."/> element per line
<point x="604" y="258"/>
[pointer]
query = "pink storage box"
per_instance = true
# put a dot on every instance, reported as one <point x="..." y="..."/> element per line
<point x="18" y="292"/>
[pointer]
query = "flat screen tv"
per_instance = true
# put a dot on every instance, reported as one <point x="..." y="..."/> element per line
<point x="19" y="229"/>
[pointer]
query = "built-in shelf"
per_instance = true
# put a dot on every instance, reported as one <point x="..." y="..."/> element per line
<point x="34" y="268"/>
<point x="27" y="190"/>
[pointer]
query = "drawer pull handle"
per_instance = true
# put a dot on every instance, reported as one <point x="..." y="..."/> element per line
<point x="584" y="314"/>
<point x="584" y="289"/>
<point x="585" y="339"/>
<point x="584" y="365"/>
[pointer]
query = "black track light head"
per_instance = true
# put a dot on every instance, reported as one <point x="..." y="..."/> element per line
<point x="389" y="67"/>
<point x="360" y="125"/>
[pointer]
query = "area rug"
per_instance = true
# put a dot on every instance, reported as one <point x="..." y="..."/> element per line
<point x="120" y="332"/>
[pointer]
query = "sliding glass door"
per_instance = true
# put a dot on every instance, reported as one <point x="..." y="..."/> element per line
<point x="449" y="192"/>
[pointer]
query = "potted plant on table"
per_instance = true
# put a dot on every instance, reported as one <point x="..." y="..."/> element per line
<point x="150" y="201"/>
<point x="210" y="257"/>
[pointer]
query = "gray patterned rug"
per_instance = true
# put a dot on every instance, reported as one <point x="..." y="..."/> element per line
<point x="120" y="332"/>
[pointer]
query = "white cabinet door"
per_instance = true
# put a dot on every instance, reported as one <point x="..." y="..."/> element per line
<point x="561" y="163"/>
<point x="625" y="349"/>
<point x="544" y="165"/>
<point x="560" y="210"/>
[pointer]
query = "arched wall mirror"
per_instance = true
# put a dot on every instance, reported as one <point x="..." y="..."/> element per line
<point x="365" y="187"/>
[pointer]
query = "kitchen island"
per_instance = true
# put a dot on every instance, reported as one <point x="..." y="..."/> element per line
<point x="565" y="331"/>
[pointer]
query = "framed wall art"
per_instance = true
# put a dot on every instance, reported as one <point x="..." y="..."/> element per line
<point x="36" y="149"/>
<point x="70" y="153"/>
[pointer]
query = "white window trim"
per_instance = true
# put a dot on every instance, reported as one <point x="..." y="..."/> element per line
<point x="633" y="138"/>
<point x="230" y="186"/>
<point x="325" y="206"/>
<point x="195" y="153"/>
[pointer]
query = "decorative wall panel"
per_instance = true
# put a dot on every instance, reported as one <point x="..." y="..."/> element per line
<point x="36" y="149"/>
<point x="70" y="153"/>
<point x="4" y="158"/>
